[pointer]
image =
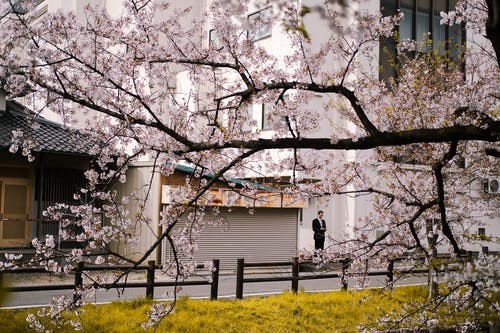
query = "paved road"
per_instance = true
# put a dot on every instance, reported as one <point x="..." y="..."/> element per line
<point x="227" y="288"/>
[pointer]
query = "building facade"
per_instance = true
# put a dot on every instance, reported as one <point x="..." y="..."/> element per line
<point x="60" y="158"/>
<point x="342" y="213"/>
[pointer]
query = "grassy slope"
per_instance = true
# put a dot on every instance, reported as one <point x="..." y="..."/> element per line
<point x="322" y="312"/>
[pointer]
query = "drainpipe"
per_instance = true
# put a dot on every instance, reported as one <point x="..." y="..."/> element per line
<point x="40" y="181"/>
<point x="159" y="231"/>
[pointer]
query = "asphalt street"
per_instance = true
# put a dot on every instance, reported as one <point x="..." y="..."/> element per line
<point x="227" y="289"/>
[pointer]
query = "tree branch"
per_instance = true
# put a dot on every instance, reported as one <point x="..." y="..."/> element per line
<point x="437" y="169"/>
<point x="383" y="139"/>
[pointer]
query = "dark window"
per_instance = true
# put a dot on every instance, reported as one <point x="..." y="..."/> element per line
<point x="421" y="23"/>
<point x="260" y="24"/>
<point x="461" y="162"/>
<point x="481" y="231"/>
<point x="60" y="185"/>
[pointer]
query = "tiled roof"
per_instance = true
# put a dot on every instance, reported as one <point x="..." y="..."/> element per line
<point x="50" y="136"/>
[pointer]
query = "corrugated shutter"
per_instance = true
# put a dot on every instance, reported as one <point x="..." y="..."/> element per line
<point x="269" y="234"/>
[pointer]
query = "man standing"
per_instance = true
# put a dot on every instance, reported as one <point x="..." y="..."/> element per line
<point x="319" y="228"/>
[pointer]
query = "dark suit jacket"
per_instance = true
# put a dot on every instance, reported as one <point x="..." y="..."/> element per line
<point x="316" y="225"/>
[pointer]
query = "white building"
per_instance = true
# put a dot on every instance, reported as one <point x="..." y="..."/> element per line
<point x="422" y="18"/>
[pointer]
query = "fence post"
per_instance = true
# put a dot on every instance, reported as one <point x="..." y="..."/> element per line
<point x="150" y="279"/>
<point x="239" y="278"/>
<point x="295" y="274"/>
<point x="345" y="265"/>
<point x="78" y="282"/>
<point x="214" y="287"/>
<point x="390" y="274"/>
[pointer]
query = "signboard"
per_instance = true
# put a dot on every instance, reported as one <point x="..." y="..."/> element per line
<point x="234" y="198"/>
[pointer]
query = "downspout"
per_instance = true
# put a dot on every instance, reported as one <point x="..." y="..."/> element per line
<point x="40" y="181"/>
<point x="159" y="228"/>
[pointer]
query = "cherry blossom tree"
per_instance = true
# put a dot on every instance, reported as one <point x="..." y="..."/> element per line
<point x="410" y="132"/>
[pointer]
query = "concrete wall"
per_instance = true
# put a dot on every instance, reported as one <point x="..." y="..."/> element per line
<point x="139" y="178"/>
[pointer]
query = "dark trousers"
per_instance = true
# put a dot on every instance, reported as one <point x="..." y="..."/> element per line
<point x="319" y="243"/>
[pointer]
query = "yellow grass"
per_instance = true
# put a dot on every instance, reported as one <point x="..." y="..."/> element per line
<point x="319" y="312"/>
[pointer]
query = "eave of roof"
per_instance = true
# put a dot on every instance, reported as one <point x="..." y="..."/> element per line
<point x="50" y="137"/>
<point x="237" y="181"/>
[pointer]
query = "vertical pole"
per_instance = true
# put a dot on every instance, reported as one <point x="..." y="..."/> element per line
<point x="432" y="278"/>
<point x="159" y="247"/>
<point x="41" y="186"/>
<point x="150" y="279"/>
<point x="239" y="278"/>
<point x="214" y="287"/>
<point x="345" y="265"/>
<point x="78" y="282"/>
<point x="390" y="274"/>
<point x="295" y="274"/>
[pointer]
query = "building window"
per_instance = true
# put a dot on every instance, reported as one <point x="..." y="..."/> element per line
<point x="17" y="8"/>
<point x="461" y="162"/>
<point x="268" y="118"/>
<point x="481" y="232"/>
<point x="421" y="23"/>
<point x="265" y="119"/>
<point x="214" y="40"/>
<point x="260" y="24"/>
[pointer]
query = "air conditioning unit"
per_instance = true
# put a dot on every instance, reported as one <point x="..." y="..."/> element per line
<point x="491" y="185"/>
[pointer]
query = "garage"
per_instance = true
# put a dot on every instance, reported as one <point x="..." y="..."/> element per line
<point x="264" y="235"/>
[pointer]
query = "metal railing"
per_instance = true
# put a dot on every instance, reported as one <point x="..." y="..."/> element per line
<point x="342" y="272"/>
<point x="297" y="267"/>
<point x="80" y="268"/>
<point x="294" y="277"/>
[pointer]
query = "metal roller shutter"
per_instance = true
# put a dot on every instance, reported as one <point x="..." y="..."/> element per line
<point x="269" y="234"/>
